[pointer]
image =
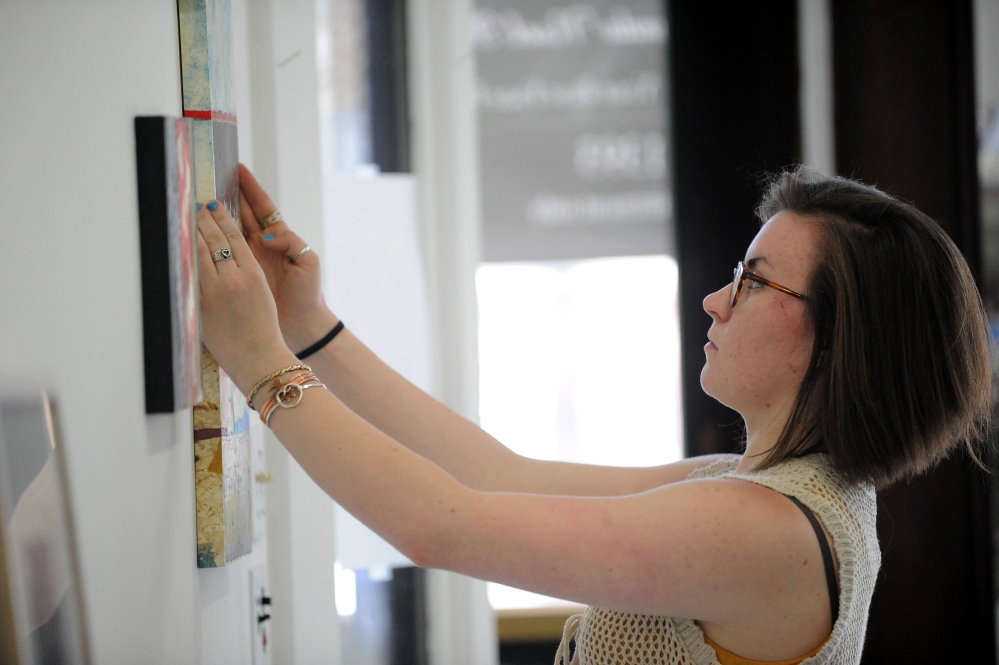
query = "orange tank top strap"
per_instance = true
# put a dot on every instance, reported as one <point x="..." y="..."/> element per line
<point x="726" y="657"/>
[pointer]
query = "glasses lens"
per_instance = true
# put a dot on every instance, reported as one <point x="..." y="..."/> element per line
<point x="736" y="285"/>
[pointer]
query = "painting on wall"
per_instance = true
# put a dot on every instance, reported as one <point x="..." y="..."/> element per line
<point x="169" y="251"/>
<point x="41" y="609"/>
<point x="221" y="421"/>
<point x="209" y="98"/>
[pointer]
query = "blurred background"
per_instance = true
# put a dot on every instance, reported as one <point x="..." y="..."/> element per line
<point x="520" y="205"/>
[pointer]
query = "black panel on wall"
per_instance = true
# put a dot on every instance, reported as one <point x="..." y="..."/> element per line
<point x="904" y="95"/>
<point x="388" y="85"/>
<point x="390" y="623"/>
<point x="734" y="87"/>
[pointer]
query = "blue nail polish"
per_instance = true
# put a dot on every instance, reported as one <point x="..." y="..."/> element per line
<point x="213" y="206"/>
<point x="268" y="237"/>
<point x="197" y="206"/>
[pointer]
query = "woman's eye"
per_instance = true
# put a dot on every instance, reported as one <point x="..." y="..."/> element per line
<point x="753" y="284"/>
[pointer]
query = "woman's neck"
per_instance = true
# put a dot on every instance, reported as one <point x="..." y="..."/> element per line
<point x="762" y="433"/>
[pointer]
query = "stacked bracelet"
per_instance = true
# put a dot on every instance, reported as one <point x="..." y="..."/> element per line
<point x="288" y="395"/>
<point x="321" y="343"/>
<point x="269" y="377"/>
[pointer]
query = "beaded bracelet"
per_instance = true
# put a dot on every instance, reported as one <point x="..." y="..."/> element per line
<point x="261" y="382"/>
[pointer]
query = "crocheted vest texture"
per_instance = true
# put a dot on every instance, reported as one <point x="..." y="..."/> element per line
<point x="606" y="637"/>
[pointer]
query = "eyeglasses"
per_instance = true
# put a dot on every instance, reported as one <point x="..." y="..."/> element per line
<point x="741" y="275"/>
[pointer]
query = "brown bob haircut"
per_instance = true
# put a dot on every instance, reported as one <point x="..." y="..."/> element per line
<point x="900" y="369"/>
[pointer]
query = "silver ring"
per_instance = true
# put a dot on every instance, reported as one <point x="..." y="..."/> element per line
<point x="300" y="254"/>
<point x="271" y="219"/>
<point x="224" y="254"/>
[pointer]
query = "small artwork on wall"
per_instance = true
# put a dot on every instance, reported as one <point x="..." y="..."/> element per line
<point x="221" y="476"/>
<point x="169" y="251"/>
<point x="208" y="86"/>
<point x="221" y="436"/>
<point x="41" y="600"/>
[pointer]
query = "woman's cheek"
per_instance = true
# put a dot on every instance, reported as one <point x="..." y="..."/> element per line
<point x="791" y="315"/>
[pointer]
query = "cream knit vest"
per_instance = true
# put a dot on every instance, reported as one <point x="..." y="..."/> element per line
<point x="605" y="637"/>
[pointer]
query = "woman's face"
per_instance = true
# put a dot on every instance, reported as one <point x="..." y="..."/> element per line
<point x="759" y="350"/>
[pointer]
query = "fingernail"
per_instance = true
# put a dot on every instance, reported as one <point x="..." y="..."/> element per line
<point x="268" y="237"/>
<point x="213" y="206"/>
<point x="197" y="206"/>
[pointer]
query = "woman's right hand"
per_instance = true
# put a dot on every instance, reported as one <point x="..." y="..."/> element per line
<point x="297" y="287"/>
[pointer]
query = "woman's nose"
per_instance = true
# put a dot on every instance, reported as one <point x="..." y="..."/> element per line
<point x="716" y="304"/>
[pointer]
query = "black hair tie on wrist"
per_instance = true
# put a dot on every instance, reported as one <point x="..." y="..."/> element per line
<point x="321" y="343"/>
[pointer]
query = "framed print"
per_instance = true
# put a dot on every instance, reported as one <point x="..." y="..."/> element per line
<point x="41" y="609"/>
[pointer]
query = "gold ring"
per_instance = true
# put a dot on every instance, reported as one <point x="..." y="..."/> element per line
<point x="300" y="254"/>
<point x="271" y="219"/>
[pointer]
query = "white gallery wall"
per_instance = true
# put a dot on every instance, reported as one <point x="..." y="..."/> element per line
<point x="73" y="75"/>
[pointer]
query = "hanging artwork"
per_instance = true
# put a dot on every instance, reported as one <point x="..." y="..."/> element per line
<point x="169" y="250"/>
<point x="41" y="604"/>
<point x="221" y="422"/>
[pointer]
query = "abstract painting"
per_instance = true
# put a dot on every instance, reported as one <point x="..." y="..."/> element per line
<point x="222" y="472"/>
<point x="167" y="232"/>
<point x="221" y="422"/>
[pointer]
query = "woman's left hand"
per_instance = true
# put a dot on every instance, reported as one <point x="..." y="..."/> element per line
<point x="239" y="319"/>
<point x="296" y="285"/>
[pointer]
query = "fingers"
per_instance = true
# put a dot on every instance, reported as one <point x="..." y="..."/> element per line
<point x="221" y="233"/>
<point x="262" y="243"/>
<point x="258" y="206"/>
<point x="251" y="225"/>
<point x="205" y="263"/>
<point x="303" y="255"/>
<point x="213" y="238"/>
<point x="259" y="202"/>
<point x="237" y="243"/>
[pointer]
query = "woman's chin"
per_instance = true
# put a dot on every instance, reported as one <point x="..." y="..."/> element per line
<point x="706" y="383"/>
<point x="712" y="390"/>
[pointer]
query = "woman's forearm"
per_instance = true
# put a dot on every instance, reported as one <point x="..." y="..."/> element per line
<point x="387" y="400"/>
<point x="404" y="497"/>
<point x="415" y="419"/>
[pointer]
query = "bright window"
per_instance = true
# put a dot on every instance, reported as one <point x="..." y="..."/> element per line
<point x="580" y="361"/>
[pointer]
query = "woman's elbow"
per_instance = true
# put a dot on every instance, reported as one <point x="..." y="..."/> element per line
<point x="427" y="551"/>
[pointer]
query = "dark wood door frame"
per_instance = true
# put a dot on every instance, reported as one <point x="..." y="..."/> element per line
<point x="735" y="116"/>
<point x="905" y="120"/>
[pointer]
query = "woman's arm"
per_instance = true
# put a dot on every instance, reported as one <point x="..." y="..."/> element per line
<point x="410" y="416"/>
<point x="715" y="550"/>
<point x="680" y="550"/>
<point x="394" y="405"/>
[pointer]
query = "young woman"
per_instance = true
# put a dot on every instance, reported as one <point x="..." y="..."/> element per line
<point x="852" y="341"/>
